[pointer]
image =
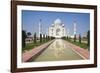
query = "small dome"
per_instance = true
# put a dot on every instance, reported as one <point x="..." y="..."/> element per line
<point x="52" y="25"/>
<point x="57" y="21"/>
<point x="63" y="25"/>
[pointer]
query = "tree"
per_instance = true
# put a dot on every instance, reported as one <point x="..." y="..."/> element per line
<point x="46" y="38"/>
<point x="40" y="38"/>
<point x="67" y="37"/>
<point x="88" y="38"/>
<point x="24" y="36"/>
<point x="28" y="34"/>
<point x="64" y="37"/>
<point x="79" y="38"/>
<point x="75" y="38"/>
<point x="35" y="38"/>
<point x="52" y="38"/>
<point x="43" y="37"/>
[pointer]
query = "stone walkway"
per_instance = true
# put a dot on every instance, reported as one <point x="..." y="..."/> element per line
<point x="29" y="54"/>
<point x="81" y="51"/>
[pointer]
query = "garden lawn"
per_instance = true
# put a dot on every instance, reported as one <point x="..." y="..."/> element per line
<point x="30" y="46"/>
<point x="82" y="45"/>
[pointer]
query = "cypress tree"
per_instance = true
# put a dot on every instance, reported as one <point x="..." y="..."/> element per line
<point x="24" y="36"/>
<point x="48" y="38"/>
<point x="43" y="37"/>
<point x="35" y="38"/>
<point x="75" y="38"/>
<point x="67" y="37"/>
<point x="79" y="38"/>
<point x="40" y="38"/>
<point x="88" y="38"/>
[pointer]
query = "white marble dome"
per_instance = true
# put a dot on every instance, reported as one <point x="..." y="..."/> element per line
<point x="58" y="21"/>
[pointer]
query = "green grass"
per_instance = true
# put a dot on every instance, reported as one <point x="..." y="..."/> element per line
<point x="30" y="46"/>
<point x="82" y="45"/>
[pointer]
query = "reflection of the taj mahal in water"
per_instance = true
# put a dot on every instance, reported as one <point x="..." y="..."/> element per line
<point x="60" y="48"/>
<point x="58" y="29"/>
<point x="58" y="51"/>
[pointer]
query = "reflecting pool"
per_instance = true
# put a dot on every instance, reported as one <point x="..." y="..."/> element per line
<point x="57" y="51"/>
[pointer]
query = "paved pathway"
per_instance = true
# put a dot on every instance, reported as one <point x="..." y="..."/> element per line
<point x="81" y="51"/>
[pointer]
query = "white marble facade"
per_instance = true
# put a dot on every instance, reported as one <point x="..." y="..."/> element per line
<point x="57" y="29"/>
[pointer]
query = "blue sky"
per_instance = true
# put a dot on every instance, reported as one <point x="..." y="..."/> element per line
<point x="30" y="20"/>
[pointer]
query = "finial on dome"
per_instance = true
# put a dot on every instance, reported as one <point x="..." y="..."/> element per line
<point x="57" y="21"/>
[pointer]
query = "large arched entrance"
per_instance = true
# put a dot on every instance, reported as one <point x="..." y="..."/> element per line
<point x="58" y="33"/>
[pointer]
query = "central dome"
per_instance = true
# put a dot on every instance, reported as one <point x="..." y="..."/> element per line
<point x="57" y="21"/>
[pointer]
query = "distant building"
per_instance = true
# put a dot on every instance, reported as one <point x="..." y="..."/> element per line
<point x="57" y="29"/>
<point x="29" y="40"/>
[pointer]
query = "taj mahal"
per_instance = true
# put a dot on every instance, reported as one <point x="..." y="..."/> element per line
<point x="58" y="29"/>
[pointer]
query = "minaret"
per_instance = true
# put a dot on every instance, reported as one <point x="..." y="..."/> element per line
<point x="40" y="27"/>
<point x="74" y="27"/>
<point x="68" y="32"/>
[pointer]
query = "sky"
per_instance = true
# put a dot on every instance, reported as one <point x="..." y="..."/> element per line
<point x="30" y="21"/>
